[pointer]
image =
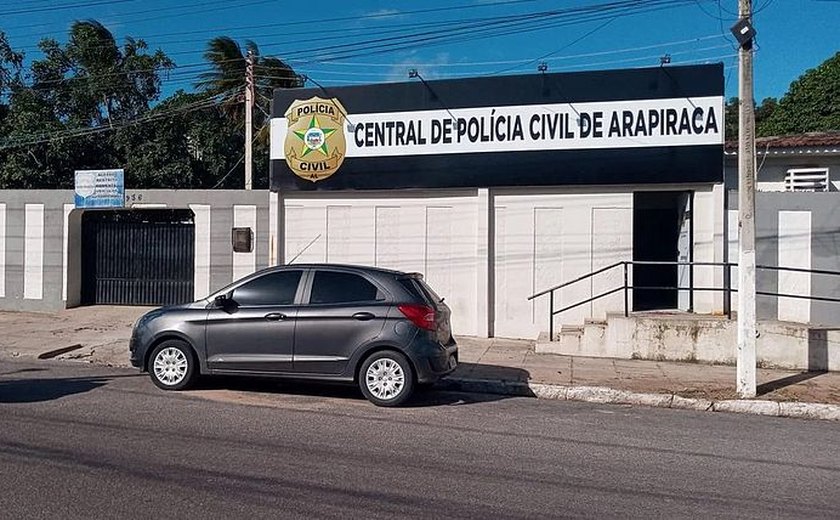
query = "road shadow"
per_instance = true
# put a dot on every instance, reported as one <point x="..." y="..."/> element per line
<point x="38" y="390"/>
<point x="447" y="392"/>
<point x="818" y="344"/>
<point x="488" y="372"/>
<point x="818" y="362"/>
<point x="23" y="370"/>
<point x="772" y="386"/>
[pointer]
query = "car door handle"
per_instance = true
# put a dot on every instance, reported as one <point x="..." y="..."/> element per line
<point x="363" y="316"/>
<point x="275" y="316"/>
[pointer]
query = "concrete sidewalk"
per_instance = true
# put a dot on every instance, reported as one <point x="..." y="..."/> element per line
<point x="100" y="335"/>
<point x="516" y="361"/>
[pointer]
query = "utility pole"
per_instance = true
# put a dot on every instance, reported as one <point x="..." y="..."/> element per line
<point x="249" y="126"/>
<point x="747" y="327"/>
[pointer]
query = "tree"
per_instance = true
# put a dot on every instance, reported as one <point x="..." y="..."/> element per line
<point x="731" y="119"/>
<point x="765" y="111"/>
<point x="93" y="81"/>
<point x="811" y="104"/>
<point x="228" y="61"/>
<point x="95" y="103"/>
<point x="41" y="163"/>
<point x="189" y="143"/>
<point x="11" y="63"/>
<point x="227" y="76"/>
<point x="55" y="124"/>
<point x="762" y="113"/>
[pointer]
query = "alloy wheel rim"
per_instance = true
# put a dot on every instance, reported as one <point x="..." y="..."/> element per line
<point x="385" y="379"/>
<point x="170" y="366"/>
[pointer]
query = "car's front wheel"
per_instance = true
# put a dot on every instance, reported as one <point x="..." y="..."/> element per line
<point x="172" y="365"/>
<point x="386" y="378"/>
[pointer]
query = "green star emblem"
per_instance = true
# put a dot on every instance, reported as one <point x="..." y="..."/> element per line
<point x="314" y="138"/>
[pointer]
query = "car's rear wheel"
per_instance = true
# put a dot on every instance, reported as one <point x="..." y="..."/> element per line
<point x="386" y="378"/>
<point x="172" y="365"/>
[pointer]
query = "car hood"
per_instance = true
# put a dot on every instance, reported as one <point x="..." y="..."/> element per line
<point x="160" y="311"/>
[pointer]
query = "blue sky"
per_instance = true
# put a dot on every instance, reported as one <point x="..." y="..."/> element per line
<point x="330" y="40"/>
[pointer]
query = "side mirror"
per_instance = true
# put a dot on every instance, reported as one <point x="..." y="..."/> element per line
<point x="222" y="301"/>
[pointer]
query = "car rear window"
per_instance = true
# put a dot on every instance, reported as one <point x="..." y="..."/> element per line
<point x="420" y="289"/>
<point x="429" y="291"/>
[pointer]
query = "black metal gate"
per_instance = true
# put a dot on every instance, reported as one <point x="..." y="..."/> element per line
<point x="137" y="257"/>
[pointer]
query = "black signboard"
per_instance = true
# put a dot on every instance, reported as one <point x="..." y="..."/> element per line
<point x="636" y="126"/>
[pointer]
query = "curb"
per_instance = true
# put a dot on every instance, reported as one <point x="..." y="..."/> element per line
<point x="604" y="395"/>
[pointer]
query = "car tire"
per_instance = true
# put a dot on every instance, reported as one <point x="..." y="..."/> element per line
<point x="386" y="378"/>
<point x="172" y="365"/>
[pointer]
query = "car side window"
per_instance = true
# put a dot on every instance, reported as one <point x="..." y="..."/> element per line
<point x="277" y="288"/>
<point x="335" y="287"/>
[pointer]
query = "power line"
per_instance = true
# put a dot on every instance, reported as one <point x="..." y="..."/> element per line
<point x="376" y="16"/>
<point x="573" y="42"/>
<point x="62" y="7"/>
<point x="150" y="116"/>
<point x="222" y="5"/>
<point x="525" y="60"/>
<point x="350" y="77"/>
<point x="646" y="58"/>
<point x="224" y="178"/>
<point x="357" y="31"/>
<point x="515" y="24"/>
<point x="233" y="168"/>
<point x="310" y="22"/>
<point x="519" y="24"/>
<point x="179" y="75"/>
<point x="161" y="69"/>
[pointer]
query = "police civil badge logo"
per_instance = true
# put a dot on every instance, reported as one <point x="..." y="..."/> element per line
<point x="315" y="145"/>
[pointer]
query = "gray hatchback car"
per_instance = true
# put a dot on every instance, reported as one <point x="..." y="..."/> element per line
<point x="384" y="330"/>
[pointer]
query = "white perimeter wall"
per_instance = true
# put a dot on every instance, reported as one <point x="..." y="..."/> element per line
<point x="546" y="239"/>
<point x="432" y="235"/>
<point x="709" y="239"/>
<point x="538" y="239"/>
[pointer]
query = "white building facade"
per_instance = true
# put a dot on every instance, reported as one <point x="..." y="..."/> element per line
<point x="498" y="188"/>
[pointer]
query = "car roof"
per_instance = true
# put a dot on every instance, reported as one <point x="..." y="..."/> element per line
<point x="354" y="267"/>
<point x="371" y="270"/>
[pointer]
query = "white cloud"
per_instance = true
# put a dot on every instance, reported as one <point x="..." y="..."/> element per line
<point x="383" y="13"/>
<point x="428" y="68"/>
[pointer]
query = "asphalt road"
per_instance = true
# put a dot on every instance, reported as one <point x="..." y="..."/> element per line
<point x="78" y="441"/>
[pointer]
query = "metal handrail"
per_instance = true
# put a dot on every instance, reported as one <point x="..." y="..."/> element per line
<point x="796" y="269"/>
<point x="798" y="296"/>
<point x="588" y="300"/>
<point x="578" y="279"/>
<point x="626" y="287"/>
<point x="659" y="262"/>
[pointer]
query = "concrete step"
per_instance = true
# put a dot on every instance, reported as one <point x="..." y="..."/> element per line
<point x="565" y="341"/>
<point x="679" y="336"/>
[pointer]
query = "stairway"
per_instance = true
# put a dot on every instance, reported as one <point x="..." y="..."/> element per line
<point x="678" y="336"/>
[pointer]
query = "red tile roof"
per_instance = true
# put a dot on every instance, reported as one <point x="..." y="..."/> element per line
<point x="808" y="140"/>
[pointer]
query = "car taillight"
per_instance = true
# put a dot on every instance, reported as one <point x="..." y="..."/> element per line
<point x="422" y="316"/>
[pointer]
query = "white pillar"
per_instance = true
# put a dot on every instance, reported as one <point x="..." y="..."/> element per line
<point x="245" y="216"/>
<point x="484" y="257"/>
<point x="2" y="249"/>
<point x="201" y="269"/>
<point x="33" y="252"/>
<point x="277" y="228"/>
